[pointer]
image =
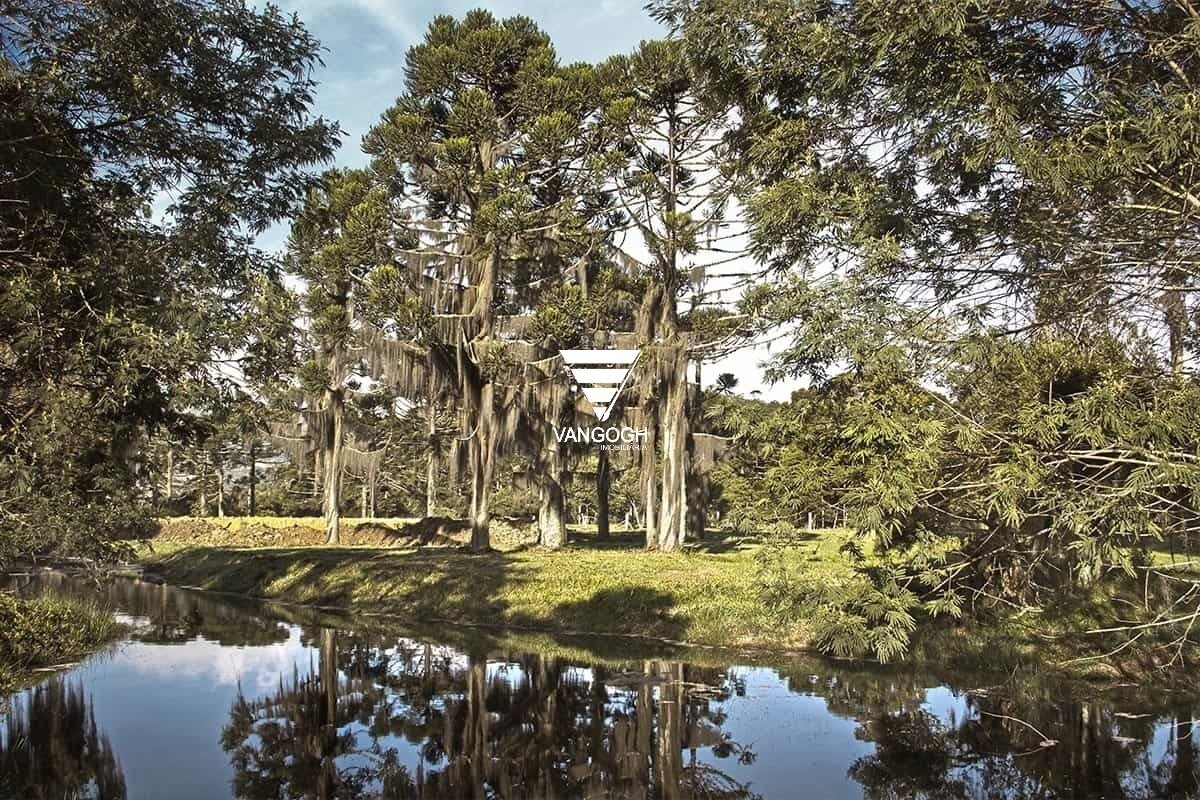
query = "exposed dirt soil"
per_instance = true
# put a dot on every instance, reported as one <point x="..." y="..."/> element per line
<point x="431" y="532"/>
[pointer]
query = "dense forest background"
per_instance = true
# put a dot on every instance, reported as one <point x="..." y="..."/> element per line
<point x="970" y="228"/>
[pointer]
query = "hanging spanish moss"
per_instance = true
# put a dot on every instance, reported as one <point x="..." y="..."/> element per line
<point x="707" y="451"/>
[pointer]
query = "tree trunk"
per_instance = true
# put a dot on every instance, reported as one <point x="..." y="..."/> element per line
<point x="551" y="523"/>
<point x="220" y="490"/>
<point x="475" y="736"/>
<point x="170" y="474"/>
<point x="644" y="727"/>
<point x="672" y="522"/>
<point x="327" y="654"/>
<point x="603" y="490"/>
<point x="473" y="469"/>
<point x="697" y="481"/>
<point x="363" y="499"/>
<point x="253" y="505"/>
<point x="203" y="486"/>
<point x="485" y="436"/>
<point x="431" y="460"/>
<point x="484" y="472"/>
<point x="669" y="763"/>
<point x="650" y="483"/>
<point x="697" y="502"/>
<point x="552" y="513"/>
<point x="333" y="469"/>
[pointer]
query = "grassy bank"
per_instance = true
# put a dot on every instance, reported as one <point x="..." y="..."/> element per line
<point x="47" y="631"/>
<point x="708" y="595"/>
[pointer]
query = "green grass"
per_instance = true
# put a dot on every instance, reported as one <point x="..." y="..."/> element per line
<point x="705" y="596"/>
<point x="46" y="631"/>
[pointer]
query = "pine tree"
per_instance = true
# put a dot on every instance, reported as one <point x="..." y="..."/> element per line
<point x="485" y="151"/>
<point x="675" y="196"/>
<point x="342" y="233"/>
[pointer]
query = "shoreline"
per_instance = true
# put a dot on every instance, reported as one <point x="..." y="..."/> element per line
<point x="701" y="599"/>
<point x="48" y="633"/>
<point x="531" y="603"/>
<point x="566" y="593"/>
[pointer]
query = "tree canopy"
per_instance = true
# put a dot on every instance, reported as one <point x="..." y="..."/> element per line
<point x="972" y="228"/>
<point x="142" y="149"/>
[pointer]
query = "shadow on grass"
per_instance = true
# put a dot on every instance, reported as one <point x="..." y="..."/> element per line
<point x="638" y="610"/>
<point x="441" y="584"/>
<point x="424" y="588"/>
<point x="713" y="541"/>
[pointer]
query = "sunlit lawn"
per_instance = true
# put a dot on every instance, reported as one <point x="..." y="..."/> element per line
<point x="708" y="594"/>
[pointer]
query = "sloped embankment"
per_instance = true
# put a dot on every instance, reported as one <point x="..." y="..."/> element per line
<point x="309" y="532"/>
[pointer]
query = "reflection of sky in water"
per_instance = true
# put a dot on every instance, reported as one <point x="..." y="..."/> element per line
<point x="163" y="707"/>
<point x="257" y="668"/>
<point x="802" y="750"/>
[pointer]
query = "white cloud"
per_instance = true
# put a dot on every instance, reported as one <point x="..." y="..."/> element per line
<point x="615" y="8"/>
<point x="391" y="15"/>
<point x="258" y="668"/>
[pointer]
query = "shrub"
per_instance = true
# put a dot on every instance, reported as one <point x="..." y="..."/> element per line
<point x="47" y="630"/>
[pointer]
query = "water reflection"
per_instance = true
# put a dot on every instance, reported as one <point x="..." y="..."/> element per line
<point x="994" y="753"/>
<point x="162" y="614"/>
<point x="523" y="726"/>
<point x="52" y="748"/>
<point x="215" y="699"/>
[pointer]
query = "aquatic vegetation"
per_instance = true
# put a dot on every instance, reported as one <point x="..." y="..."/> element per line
<point x="47" y="630"/>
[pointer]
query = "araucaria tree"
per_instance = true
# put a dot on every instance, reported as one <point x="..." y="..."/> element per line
<point x="674" y="196"/>
<point x="342" y="233"/>
<point x="485" y="152"/>
<point x="105" y="312"/>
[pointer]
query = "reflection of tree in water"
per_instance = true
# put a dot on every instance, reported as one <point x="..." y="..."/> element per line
<point x="175" y="616"/>
<point x="1019" y="745"/>
<point x="289" y="744"/>
<point x="526" y="726"/>
<point x="553" y="730"/>
<point x="1178" y="775"/>
<point x="52" y="748"/>
<point x="1029" y="738"/>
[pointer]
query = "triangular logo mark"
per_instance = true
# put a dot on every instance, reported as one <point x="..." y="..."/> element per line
<point x="601" y="375"/>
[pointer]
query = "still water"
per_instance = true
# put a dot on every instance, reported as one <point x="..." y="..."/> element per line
<point x="211" y="698"/>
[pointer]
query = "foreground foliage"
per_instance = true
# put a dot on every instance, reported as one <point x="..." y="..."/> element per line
<point x="48" y="630"/>
<point x="111" y="311"/>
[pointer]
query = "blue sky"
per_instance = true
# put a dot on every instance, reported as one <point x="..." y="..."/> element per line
<point x="364" y="43"/>
<point x="366" y="40"/>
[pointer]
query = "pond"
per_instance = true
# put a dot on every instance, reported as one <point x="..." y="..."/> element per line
<point x="210" y="697"/>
